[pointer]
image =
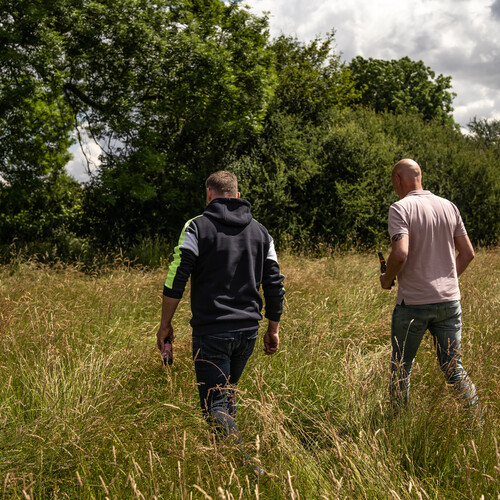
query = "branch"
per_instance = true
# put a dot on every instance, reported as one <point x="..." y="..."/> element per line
<point x="70" y="87"/>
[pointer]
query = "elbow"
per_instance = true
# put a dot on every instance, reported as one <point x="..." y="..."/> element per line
<point x="467" y="254"/>
<point x="400" y="257"/>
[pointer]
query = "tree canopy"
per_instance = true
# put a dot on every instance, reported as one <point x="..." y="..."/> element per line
<point x="485" y="131"/>
<point x="403" y="86"/>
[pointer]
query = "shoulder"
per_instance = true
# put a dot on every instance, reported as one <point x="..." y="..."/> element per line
<point x="192" y="221"/>
<point x="189" y="229"/>
<point x="450" y="204"/>
<point x="258" y="224"/>
<point x="447" y="203"/>
<point x="399" y="208"/>
<point x="197" y="222"/>
<point x="260" y="227"/>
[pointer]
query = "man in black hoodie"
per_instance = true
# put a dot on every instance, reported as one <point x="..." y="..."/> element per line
<point x="228" y="255"/>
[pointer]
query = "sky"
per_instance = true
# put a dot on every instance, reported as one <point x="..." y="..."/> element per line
<point x="85" y="158"/>
<point x="457" y="38"/>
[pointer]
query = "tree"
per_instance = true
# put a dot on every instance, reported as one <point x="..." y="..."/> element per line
<point x="485" y="131"/>
<point x="196" y="88"/>
<point x="175" y="89"/>
<point x="35" y="126"/>
<point x="280" y="162"/>
<point x="169" y="89"/>
<point x="310" y="78"/>
<point x="403" y="86"/>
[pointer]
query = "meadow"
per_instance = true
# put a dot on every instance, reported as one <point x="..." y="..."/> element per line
<point x="87" y="410"/>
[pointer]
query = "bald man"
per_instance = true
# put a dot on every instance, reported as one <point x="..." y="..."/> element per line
<point x="426" y="231"/>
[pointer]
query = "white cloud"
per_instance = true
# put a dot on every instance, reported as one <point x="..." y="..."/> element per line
<point x="476" y="102"/>
<point x="84" y="161"/>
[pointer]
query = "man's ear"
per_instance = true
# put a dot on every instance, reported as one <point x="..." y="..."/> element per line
<point x="238" y="195"/>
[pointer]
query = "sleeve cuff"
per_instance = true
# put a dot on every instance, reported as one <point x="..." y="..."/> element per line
<point x="168" y="292"/>
<point x="273" y="316"/>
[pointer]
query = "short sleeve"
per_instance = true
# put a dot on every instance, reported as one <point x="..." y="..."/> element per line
<point x="460" y="226"/>
<point x="398" y="220"/>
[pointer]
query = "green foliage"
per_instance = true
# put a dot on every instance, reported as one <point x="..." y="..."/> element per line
<point x="38" y="202"/>
<point x="403" y="86"/>
<point x="320" y="173"/>
<point x="197" y="80"/>
<point x="353" y="184"/>
<point x="280" y="163"/>
<point x="168" y="88"/>
<point x="486" y="132"/>
<point x="330" y="184"/>
<point x="310" y="78"/>
<point x="327" y="185"/>
<point x="35" y="120"/>
<point x="46" y="211"/>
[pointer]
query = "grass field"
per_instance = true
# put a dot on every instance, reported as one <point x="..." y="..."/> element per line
<point x="88" y="411"/>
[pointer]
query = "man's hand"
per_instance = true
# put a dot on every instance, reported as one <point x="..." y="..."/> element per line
<point x="386" y="282"/>
<point x="271" y="337"/>
<point x="164" y="332"/>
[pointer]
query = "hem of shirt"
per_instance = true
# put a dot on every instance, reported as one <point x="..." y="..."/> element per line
<point x="398" y="231"/>
<point x="427" y="303"/>
<point x="221" y="327"/>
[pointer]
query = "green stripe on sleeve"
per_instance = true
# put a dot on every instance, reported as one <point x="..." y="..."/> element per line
<point x="176" y="261"/>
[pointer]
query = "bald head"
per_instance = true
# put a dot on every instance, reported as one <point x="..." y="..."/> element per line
<point x="406" y="177"/>
<point x="407" y="168"/>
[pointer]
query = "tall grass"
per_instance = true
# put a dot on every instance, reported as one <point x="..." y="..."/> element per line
<point x="88" y="411"/>
<point x="68" y="249"/>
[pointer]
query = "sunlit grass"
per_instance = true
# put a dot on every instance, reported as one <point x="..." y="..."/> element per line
<point x="87" y="409"/>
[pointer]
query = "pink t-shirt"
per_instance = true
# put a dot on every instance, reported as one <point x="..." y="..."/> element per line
<point x="429" y="274"/>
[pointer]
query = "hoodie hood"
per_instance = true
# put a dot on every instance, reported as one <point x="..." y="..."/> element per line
<point x="229" y="211"/>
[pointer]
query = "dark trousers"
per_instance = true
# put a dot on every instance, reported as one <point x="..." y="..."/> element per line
<point x="444" y="321"/>
<point x="219" y="361"/>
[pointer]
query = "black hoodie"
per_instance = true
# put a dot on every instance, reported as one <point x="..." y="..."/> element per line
<point x="229" y="255"/>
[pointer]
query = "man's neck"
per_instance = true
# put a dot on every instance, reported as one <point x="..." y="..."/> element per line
<point x="410" y="189"/>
